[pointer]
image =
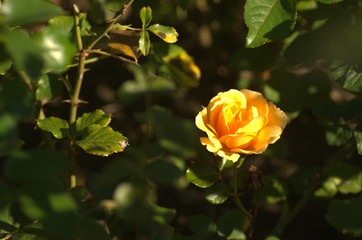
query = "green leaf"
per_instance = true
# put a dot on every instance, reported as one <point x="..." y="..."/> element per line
<point x="201" y="225"/>
<point x="20" y="12"/>
<point x="102" y="184"/>
<point x="167" y="34"/>
<point x="201" y="174"/>
<point x="57" y="46"/>
<point x="7" y="222"/>
<point x="273" y="190"/>
<point x="42" y="163"/>
<point x="268" y="20"/>
<point x="48" y="87"/>
<point x="16" y="99"/>
<point x="358" y="137"/>
<point x="329" y="1"/>
<point x="217" y="193"/>
<point x="338" y="135"/>
<point x="144" y="43"/>
<point x="146" y="16"/>
<point x="176" y="64"/>
<point x="102" y="141"/>
<point x="232" y="223"/>
<point x="163" y="172"/>
<point x="57" y="126"/>
<point x="342" y="178"/>
<point x="345" y="215"/>
<point x="87" y="119"/>
<point x="348" y="75"/>
<point x="5" y="62"/>
<point x="272" y="238"/>
<point x="144" y="82"/>
<point x="26" y="55"/>
<point x="63" y="23"/>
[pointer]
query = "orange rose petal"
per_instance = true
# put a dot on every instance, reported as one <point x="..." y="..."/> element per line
<point x="234" y="157"/>
<point x="257" y="100"/>
<point x="240" y="122"/>
<point x="214" y="112"/>
<point x="276" y="116"/>
<point x="254" y="125"/>
<point x="265" y="137"/>
<point x="236" y="140"/>
<point x="200" y="119"/>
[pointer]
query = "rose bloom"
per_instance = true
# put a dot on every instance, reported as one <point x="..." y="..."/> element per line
<point x="240" y="122"/>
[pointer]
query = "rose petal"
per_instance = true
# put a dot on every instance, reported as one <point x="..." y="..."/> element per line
<point x="237" y="140"/>
<point x="253" y="126"/>
<point x="276" y="116"/>
<point x="265" y="137"/>
<point x="257" y="100"/>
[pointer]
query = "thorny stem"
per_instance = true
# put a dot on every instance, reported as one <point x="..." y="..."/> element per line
<point x="110" y="25"/>
<point x="74" y="98"/>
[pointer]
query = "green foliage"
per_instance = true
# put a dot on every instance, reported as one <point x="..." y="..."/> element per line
<point x="344" y="215"/>
<point x="268" y="20"/>
<point x="18" y="12"/>
<point x="102" y="141"/>
<point x="72" y="77"/>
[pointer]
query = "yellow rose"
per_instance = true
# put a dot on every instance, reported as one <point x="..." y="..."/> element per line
<point x="240" y="122"/>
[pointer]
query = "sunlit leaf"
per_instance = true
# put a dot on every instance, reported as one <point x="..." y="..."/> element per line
<point x="144" y="43"/>
<point x="146" y="16"/>
<point x="345" y="215"/>
<point x="123" y="49"/>
<point x="167" y="34"/>
<point x="201" y="174"/>
<point x="268" y="20"/>
<point x="102" y="141"/>
<point x="348" y="75"/>
<point x="87" y="119"/>
<point x="57" y="46"/>
<point x="20" y="12"/>
<point x="57" y="126"/>
<point x="342" y="178"/>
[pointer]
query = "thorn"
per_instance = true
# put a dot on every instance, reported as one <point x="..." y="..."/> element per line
<point x="76" y="9"/>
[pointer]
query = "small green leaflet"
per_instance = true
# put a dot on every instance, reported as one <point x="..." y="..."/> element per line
<point x="144" y="43"/>
<point x="146" y="16"/>
<point x="167" y="34"/>
<point x="102" y="141"/>
<point x="87" y="119"/>
<point x="57" y="126"/>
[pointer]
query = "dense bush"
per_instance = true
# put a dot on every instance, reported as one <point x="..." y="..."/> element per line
<point x="98" y="101"/>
